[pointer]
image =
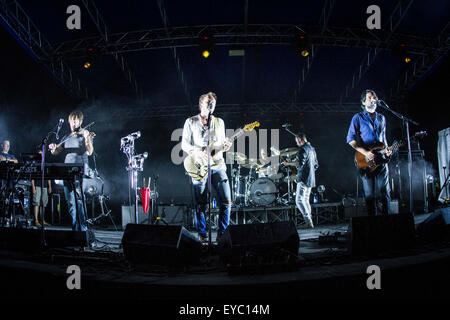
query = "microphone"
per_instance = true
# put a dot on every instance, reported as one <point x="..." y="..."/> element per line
<point x="286" y="125"/>
<point x="132" y="136"/>
<point x="60" y="123"/>
<point x="377" y="102"/>
<point x="210" y="105"/>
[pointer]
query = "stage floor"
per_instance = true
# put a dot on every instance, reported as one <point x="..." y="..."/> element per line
<point x="324" y="271"/>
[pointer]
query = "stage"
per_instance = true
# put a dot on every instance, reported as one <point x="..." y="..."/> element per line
<point x="324" y="270"/>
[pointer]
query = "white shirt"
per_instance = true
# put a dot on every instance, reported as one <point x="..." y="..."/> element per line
<point x="195" y="136"/>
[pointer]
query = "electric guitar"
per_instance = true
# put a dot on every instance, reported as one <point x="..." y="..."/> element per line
<point x="197" y="167"/>
<point x="365" y="165"/>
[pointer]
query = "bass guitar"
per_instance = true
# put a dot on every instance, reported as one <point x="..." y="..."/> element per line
<point x="197" y="167"/>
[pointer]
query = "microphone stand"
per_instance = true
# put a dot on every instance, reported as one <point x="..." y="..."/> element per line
<point x="208" y="196"/>
<point x="286" y="127"/>
<point x="41" y="203"/>
<point x="406" y="122"/>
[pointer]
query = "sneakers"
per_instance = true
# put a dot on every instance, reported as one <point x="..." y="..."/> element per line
<point x="36" y="223"/>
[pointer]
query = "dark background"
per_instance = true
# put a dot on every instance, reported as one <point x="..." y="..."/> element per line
<point x="31" y="102"/>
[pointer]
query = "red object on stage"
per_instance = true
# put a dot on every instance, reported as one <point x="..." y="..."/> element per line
<point x="145" y="198"/>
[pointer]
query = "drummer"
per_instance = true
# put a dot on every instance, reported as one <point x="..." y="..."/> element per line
<point x="270" y="166"/>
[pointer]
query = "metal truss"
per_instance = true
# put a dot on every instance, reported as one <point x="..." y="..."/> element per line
<point x="324" y="18"/>
<point x="242" y="34"/>
<point x="421" y="66"/>
<point x="14" y="18"/>
<point x="165" y="20"/>
<point x="262" y="110"/>
<point x="392" y="24"/>
<point x="103" y="30"/>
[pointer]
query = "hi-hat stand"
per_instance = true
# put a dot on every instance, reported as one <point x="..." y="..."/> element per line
<point x="105" y="211"/>
<point x="135" y="165"/>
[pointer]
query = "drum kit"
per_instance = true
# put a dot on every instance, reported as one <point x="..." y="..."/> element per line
<point x="265" y="183"/>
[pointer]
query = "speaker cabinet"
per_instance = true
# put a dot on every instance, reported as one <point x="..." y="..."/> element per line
<point x="373" y="235"/>
<point x="399" y="175"/>
<point x="160" y="245"/>
<point x="260" y="243"/>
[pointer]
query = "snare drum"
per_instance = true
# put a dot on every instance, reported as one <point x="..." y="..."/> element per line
<point x="263" y="192"/>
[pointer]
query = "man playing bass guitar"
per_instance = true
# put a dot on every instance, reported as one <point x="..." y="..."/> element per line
<point x="368" y="129"/>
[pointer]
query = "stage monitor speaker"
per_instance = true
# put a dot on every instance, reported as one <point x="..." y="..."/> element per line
<point x="160" y="245"/>
<point x="260" y="242"/>
<point x="30" y="240"/>
<point x="436" y="226"/>
<point x="373" y="235"/>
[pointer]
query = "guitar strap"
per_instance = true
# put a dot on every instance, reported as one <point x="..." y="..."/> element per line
<point x="216" y="125"/>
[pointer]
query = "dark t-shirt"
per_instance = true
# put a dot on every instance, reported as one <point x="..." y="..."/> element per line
<point x="75" y="150"/>
<point x="7" y="156"/>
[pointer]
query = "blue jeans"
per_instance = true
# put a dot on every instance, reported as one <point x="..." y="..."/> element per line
<point x="70" y="197"/>
<point x="376" y="187"/>
<point x="219" y="180"/>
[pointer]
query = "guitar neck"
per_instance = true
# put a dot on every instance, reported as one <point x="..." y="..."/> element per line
<point x="392" y="148"/>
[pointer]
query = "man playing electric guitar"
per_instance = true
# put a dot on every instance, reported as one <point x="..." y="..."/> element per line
<point x="194" y="143"/>
<point x="367" y="129"/>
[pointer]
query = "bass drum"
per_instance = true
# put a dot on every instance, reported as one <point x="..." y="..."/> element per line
<point x="92" y="186"/>
<point x="263" y="192"/>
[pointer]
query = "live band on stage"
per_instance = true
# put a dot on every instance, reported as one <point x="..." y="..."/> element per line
<point x="285" y="178"/>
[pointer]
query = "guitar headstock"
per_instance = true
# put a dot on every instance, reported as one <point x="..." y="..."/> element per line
<point x="251" y="126"/>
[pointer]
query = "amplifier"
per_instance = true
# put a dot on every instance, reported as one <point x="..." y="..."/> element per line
<point x="129" y="217"/>
<point x="178" y="214"/>
<point x="361" y="210"/>
<point x="174" y="214"/>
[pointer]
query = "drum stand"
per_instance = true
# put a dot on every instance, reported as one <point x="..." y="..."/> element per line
<point x="289" y="192"/>
<point x="102" y="200"/>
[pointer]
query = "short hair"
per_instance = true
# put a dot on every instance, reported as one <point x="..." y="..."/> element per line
<point x="77" y="114"/>
<point x="208" y="95"/>
<point x="5" y="139"/>
<point x="365" y="92"/>
<point x="301" y="135"/>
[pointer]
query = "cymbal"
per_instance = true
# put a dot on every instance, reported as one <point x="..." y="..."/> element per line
<point x="252" y="163"/>
<point x="288" y="152"/>
<point x="237" y="156"/>
<point x="275" y="151"/>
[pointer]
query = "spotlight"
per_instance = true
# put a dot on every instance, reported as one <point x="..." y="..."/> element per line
<point x="402" y="52"/>
<point x="206" y="44"/>
<point x="301" y="44"/>
<point x="87" y="65"/>
<point x="205" y="53"/>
